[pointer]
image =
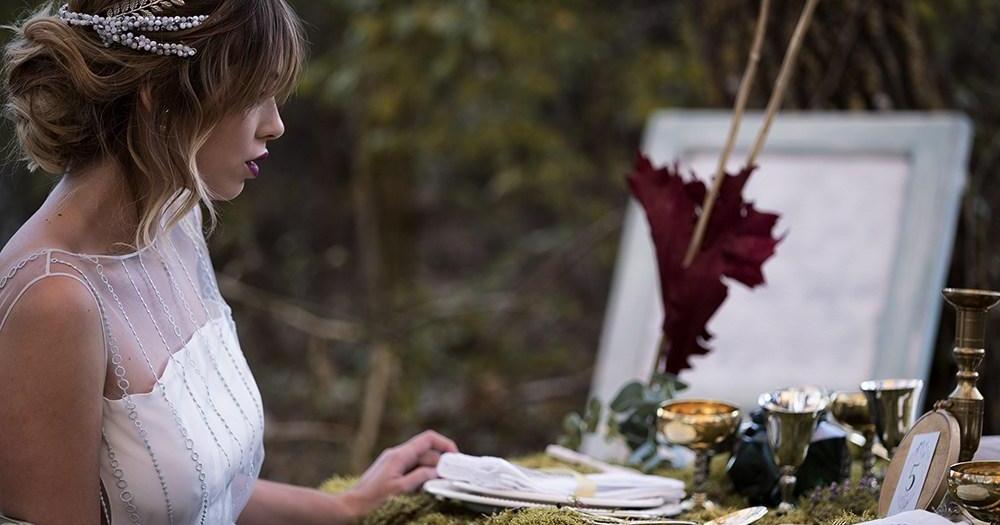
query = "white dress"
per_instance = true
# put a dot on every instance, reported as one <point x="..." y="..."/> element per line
<point x="182" y="434"/>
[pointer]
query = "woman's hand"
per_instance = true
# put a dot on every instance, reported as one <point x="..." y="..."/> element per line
<point x="397" y="470"/>
<point x="400" y="469"/>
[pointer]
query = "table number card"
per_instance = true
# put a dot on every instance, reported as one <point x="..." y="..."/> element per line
<point x="911" y="480"/>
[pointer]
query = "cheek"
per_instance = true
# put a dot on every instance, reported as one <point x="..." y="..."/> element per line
<point x="225" y="150"/>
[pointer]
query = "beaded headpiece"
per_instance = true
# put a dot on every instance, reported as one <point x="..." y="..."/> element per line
<point x="124" y="22"/>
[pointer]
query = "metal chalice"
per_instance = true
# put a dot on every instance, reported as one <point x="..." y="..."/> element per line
<point x="700" y="425"/>
<point x="791" y="417"/>
<point x="975" y="486"/>
<point x="850" y="409"/>
<point x="893" y="404"/>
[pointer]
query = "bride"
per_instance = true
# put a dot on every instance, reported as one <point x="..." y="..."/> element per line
<point x="125" y="395"/>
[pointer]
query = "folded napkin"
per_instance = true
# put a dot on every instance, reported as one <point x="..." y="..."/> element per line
<point x="499" y="474"/>
<point x="912" y="517"/>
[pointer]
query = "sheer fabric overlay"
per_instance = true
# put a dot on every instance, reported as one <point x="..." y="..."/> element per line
<point x="182" y="432"/>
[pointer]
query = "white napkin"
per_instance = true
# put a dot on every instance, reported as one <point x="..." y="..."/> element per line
<point x="912" y="517"/>
<point x="499" y="474"/>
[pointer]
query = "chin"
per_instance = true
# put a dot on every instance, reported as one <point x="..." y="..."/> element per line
<point x="227" y="193"/>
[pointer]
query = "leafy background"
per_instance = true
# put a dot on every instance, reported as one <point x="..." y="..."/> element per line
<point x="431" y="243"/>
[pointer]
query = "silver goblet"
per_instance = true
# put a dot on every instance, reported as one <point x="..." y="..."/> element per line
<point x="893" y="404"/>
<point x="791" y="417"/>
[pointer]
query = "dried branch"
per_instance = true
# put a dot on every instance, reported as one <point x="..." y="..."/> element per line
<point x="734" y="127"/>
<point x="783" y="77"/>
<point x="383" y="366"/>
<point x="288" y="313"/>
<point x="295" y="431"/>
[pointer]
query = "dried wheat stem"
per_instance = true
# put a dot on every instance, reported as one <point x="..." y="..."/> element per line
<point x="734" y="126"/>
<point x="783" y="76"/>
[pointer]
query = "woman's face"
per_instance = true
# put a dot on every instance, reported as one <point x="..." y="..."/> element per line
<point x="237" y="144"/>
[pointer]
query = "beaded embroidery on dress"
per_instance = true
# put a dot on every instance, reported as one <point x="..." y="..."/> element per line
<point x="182" y="432"/>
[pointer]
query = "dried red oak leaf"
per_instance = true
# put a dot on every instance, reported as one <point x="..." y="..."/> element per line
<point x="738" y="240"/>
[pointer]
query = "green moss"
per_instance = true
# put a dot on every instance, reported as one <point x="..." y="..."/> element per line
<point x="337" y="484"/>
<point x="845" y="505"/>
<point x="535" y="517"/>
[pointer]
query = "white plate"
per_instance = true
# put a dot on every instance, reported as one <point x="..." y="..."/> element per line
<point x="537" y="497"/>
<point x="446" y="490"/>
<point x="740" y="517"/>
<point x="443" y="489"/>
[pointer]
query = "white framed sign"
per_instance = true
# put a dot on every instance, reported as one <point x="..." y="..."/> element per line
<point x="868" y="203"/>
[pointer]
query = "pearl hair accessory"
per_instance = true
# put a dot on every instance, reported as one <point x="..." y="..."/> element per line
<point x="131" y="17"/>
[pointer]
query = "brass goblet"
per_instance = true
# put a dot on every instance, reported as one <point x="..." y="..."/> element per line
<point x="892" y="403"/>
<point x="975" y="486"/>
<point x="850" y="409"/>
<point x="700" y="425"/>
<point x="791" y="417"/>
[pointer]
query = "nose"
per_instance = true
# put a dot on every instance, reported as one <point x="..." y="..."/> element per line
<point x="271" y="127"/>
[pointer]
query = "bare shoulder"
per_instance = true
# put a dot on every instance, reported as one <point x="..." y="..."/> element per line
<point x="56" y="300"/>
<point x="60" y="316"/>
<point x="52" y="373"/>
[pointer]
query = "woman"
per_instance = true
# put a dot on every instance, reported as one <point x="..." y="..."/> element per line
<point x="126" y="397"/>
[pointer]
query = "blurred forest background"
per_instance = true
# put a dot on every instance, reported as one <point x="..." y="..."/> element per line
<point x="431" y="243"/>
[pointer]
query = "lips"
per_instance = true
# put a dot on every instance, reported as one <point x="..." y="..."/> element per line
<point x="252" y="164"/>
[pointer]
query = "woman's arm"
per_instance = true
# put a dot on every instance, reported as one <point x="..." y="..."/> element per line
<point x="272" y="502"/>
<point x="52" y="371"/>
<point x="397" y="470"/>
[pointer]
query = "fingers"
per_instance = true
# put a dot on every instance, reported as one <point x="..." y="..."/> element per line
<point x="430" y="440"/>
<point x="425" y="449"/>
<point x="429" y="458"/>
<point x="416" y="478"/>
<point x="413" y="452"/>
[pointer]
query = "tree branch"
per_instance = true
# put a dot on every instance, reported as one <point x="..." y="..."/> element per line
<point x="288" y="313"/>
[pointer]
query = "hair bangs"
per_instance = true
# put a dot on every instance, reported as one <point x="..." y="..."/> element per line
<point x="266" y="53"/>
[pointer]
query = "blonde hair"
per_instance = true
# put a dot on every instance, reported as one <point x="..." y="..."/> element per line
<point x="74" y="102"/>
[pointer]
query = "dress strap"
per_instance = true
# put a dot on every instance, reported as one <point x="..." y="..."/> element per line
<point x="6" y="520"/>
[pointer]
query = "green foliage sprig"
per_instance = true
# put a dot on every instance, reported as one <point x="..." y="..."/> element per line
<point x="575" y="425"/>
<point x="631" y="416"/>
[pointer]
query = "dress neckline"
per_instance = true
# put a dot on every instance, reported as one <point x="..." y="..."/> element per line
<point x="129" y="255"/>
<point x="134" y="253"/>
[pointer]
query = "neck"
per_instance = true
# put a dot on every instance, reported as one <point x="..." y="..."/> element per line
<point x="93" y="210"/>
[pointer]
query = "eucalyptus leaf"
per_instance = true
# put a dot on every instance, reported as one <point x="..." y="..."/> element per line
<point x="668" y="383"/>
<point x="652" y="462"/>
<point x="573" y="423"/>
<point x="641" y="454"/>
<point x="628" y="396"/>
<point x="633" y="413"/>
<point x="592" y="416"/>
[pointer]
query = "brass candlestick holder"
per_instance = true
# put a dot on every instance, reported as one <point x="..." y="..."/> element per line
<point x="966" y="402"/>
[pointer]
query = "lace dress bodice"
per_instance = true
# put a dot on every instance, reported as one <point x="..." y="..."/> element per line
<point x="182" y="432"/>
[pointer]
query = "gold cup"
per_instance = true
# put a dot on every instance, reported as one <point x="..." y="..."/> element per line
<point x="975" y="486"/>
<point x="893" y="404"/>
<point x="700" y="425"/>
<point x="850" y="409"/>
<point x="791" y="417"/>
